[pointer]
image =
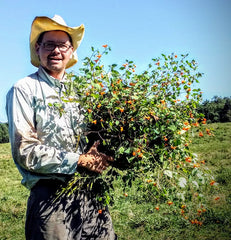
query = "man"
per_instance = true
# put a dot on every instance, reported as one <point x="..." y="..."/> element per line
<point x="44" y="142"/>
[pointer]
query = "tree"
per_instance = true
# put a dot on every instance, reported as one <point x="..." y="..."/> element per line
<point x="4" y="135"/>
<point x="216" y="110"/>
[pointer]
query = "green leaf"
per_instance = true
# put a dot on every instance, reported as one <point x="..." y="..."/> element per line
<point x="173" y="128"/>
<point x="121" y="150"/>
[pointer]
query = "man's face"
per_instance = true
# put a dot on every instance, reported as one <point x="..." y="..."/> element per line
<point x="54" y="61"/>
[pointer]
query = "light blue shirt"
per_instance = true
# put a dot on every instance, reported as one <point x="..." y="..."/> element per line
<point x="44" y="143"/>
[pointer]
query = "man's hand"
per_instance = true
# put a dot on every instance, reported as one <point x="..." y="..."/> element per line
<point x="94" y="160"/>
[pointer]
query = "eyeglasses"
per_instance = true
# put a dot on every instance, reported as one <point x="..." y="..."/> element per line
<point x="51" y="46"/>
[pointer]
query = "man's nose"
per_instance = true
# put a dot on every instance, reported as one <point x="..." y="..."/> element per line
<point x="56" y="49"/>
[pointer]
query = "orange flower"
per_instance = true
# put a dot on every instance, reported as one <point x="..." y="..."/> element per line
<point x="196" y="124"/>
<point x="149" y="180"/>
<point x="87" y="93"/>
<point x="99" y="105"/>
<point x="203" y="161"/>
<point x="158" y="63"/>
<point x="199" y="211"/>
<point x="121" y="129"/>
<point x="201" y="134"/>
<point x="104" y="46"/>
<point x="188" y="159"/>
<point x="169" y="203"/>
<point x="132" y="84"/>
<point x="157" y="208"/>
<point x="96" y="60"/>
<point x="94" y="121"/>
<point x="125" y="194"/>
<point x="183" y="206"/>
<point x="154" y="184"/>
<point x="175" y="56"/>
<point x="102" y="93"/>
<point x="134" y="153"/>
<point x="89" y="110"/>
<point x="172" y="147"/>
<point x="121" y="110"/>
<point x="101" y="84"/>
<point x="217" y="198"/>
<point x="196" y="165"/>
<point x="99" y="56"/>
<point x="140" y="155"/>
<point x="147" y="117"/>
<point x="100" y="211"/>
<point x="125" y="65"/>
<point x="212" y="182"/>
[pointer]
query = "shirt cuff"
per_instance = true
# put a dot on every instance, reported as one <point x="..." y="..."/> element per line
<point x="69" y="163"/>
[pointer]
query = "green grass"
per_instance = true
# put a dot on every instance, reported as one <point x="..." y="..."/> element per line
<point x="13" y="197"/>
<point x="133" y="217"/>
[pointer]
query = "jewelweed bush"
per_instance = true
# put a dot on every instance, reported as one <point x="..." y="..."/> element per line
<point x="142" y="120"/>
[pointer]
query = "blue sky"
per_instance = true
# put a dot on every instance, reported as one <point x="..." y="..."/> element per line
<point x="135" y="30"/>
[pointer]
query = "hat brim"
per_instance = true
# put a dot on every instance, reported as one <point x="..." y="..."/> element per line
<point x="44" y="24"/>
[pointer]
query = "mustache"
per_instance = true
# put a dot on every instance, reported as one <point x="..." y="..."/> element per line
<point x="55" y="55"/>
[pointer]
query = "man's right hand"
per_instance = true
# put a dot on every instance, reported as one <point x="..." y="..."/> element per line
<point x="94" y="160"/>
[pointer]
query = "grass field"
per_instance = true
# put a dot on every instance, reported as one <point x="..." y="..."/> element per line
<point x="133" y="218"/>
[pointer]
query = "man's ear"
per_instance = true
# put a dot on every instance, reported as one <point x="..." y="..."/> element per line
<point x="37" y="46"/>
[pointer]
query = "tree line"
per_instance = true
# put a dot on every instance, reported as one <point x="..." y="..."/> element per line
<point x="215" y="110"/>
<point x="4" y="136"/>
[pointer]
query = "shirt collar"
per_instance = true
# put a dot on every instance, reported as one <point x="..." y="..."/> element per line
<point x="49" y="79"/>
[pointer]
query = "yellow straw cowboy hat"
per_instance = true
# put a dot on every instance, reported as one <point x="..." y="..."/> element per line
<point x="44" y="24"/>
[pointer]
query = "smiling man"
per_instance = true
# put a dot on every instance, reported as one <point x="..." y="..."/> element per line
<point x="44" y="143"/>
<point x="54" y="49"/>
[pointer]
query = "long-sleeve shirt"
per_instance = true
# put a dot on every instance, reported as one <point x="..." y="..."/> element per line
<point x="44" y="142"/>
